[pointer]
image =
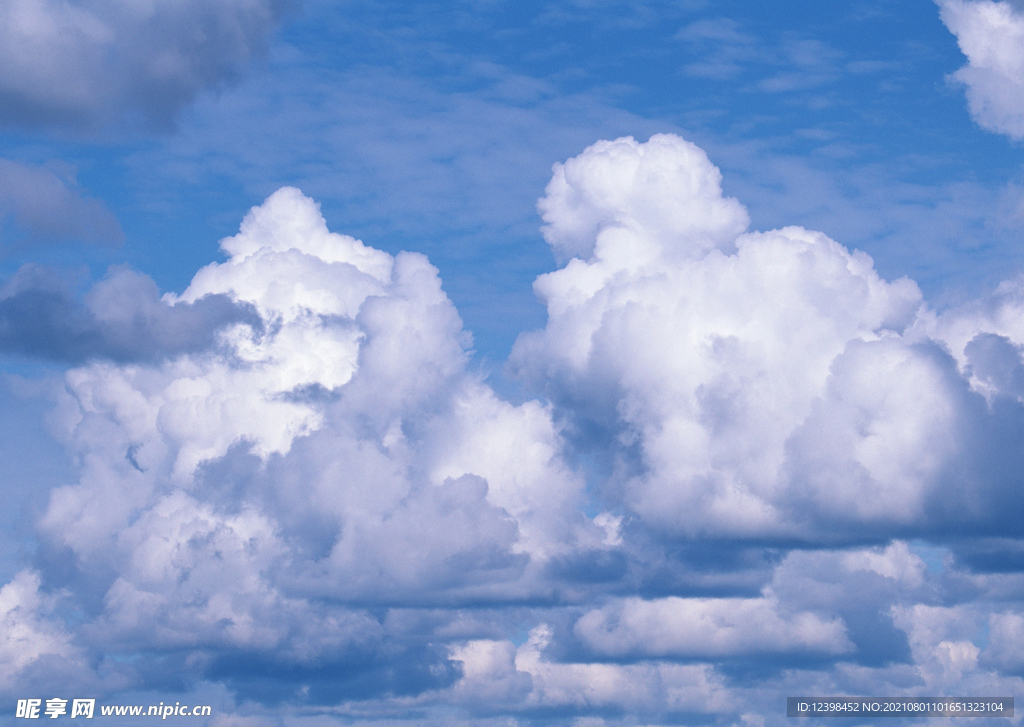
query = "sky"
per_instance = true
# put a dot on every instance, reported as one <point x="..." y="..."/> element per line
<point x="570" y="362"/>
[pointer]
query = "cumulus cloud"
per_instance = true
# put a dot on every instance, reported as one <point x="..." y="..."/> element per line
<point x="595" y="198"/>
<point x="991" y="35"/>
<point x="755" y="384"/>
<point x="316" y="439"/>
<point x="37" y="645"/>
<point x="304" y="492"/>
<point x="500" y="677"/>
<point x="82" y="64"/>
<point x="44" y="204"/>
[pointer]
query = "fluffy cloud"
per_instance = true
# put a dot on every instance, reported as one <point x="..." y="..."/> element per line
<point x="37" y="645"/>
<point x="315" y="439"/>
<point x="304" y="494"/>
<point x="593" y="200"/>
<point x="755" y="384"/>
<point x="81" y="64"/>
<point x="500" y="677"/>
<point x="991" y="35"/>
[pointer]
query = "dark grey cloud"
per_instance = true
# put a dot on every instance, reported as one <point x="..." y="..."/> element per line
<point x="990" y="555"/>
<point x="397" y="667"/>
<point x="85" y="64"/>
<point x="122" y="318"/>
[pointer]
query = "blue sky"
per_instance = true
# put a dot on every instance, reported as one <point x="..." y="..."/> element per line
<point x="433" y="128"/>
<point x="662" y="359"/>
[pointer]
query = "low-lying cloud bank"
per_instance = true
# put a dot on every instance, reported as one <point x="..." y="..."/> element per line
<point x="296" y="486"/>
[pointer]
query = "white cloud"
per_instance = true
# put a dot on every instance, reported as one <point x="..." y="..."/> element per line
<point x="991" y="35"/>
<point x="941" y="640"/>
<point x="1005" y="641"/>
<point x="495" y="672"/>
<point x="896" y="561"/>
<point x="707" y="349"/>
<point x="707" y="628"/>
<point x="337" y="447"/>
<point x="763" y="383"/>
<point x="676" y="687"/>
<point x="34" y="637"/>
<point x="595" y="198"/>
<point x="881" y="439"/>
<point x="322" y="499"/>
<point x="84" y="64"/>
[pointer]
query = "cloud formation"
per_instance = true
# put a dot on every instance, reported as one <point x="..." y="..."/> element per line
<point x="45" y="205"/>
<point x="326" y="445"/>
<point x="756" y="385"/>
<point x="312" y="499"/>
<point x="706" y="628"/>
<point x="121" y="318"/>
<point x="84" y="64"/>
<point x="991" y="35"/>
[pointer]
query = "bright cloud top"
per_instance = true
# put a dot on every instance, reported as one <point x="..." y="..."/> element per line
<point x="991" y="35"/>
<point x="335" y="447"/>
<point x="750" y="384"/>
<point x="318" y="497"/>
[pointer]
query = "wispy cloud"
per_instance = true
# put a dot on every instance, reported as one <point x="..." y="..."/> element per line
<point x="42" y="204"/>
